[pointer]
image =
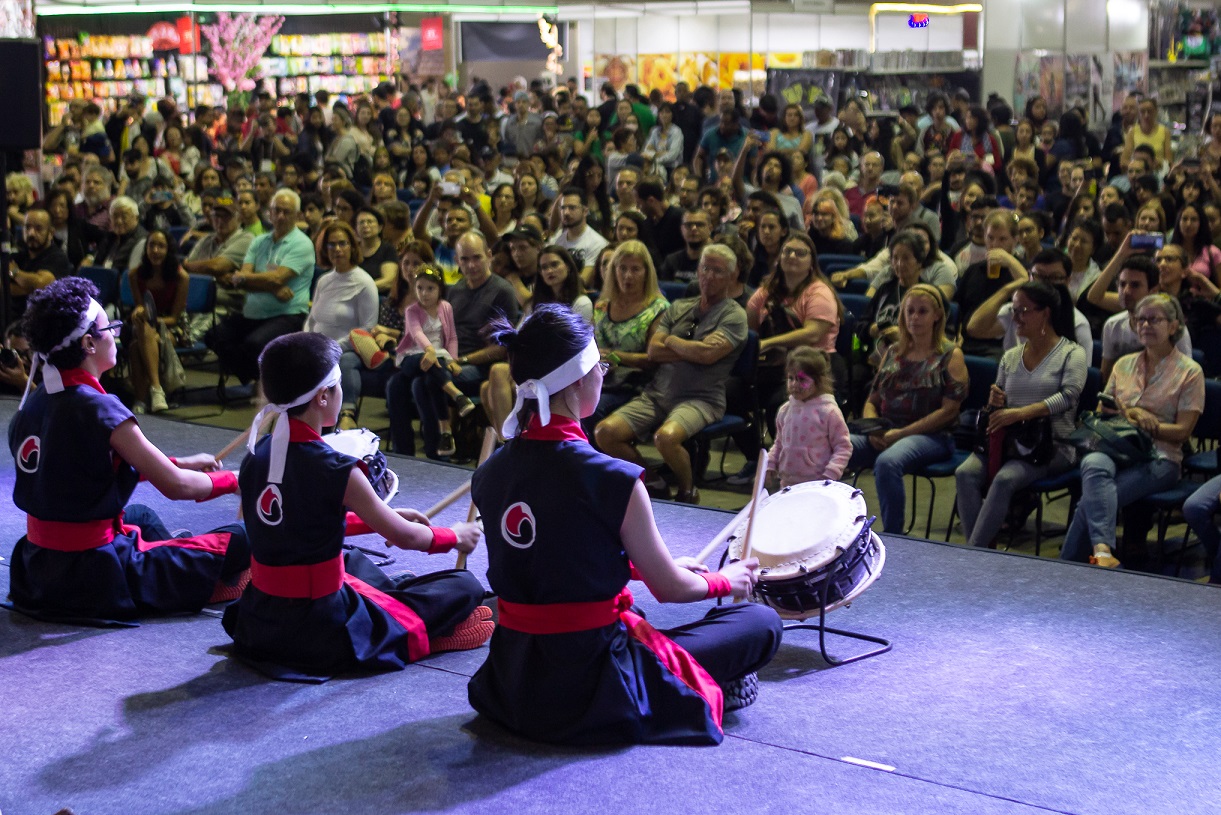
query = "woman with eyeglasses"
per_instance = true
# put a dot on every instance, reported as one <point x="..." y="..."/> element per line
<point x="570" y="662"/>
<point x="794" y="308"/>
<point x="86" y="556"/>
<point x="1042" y="375"/>
<point x="1160" y="390"/>
<point x="344" y="301"/>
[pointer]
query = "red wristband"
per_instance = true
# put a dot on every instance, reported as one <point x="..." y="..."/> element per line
<point x="224" y="482"/>
<point x="173" y="461"/>
<point x="443" y="540"/>
<point x="633" y="573"/>
<point x="718" y="585"/>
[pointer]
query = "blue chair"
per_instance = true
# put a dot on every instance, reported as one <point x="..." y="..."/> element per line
<point x="106" y="280"/>
<point x="1096" y="357"/>
<point x="127" y="300"/>
<point x="673" y="289"/>
<point x="1202" y="464"/>
<point x="858" y="285"/>
<point x="1209" y="343"/>
<point x="834" y="263"/>
<point x="855" y="304"/>
<point x="201" y="299"/>
<point x="178" y="232"/>
<point x="744" y="368"/>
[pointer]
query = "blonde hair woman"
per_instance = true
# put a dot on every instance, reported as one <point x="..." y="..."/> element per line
<point x="918" y="389"/>
<point x="624" y="320"/>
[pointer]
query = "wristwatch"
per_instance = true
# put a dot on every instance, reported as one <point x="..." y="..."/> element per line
<point x="464" y="360"/>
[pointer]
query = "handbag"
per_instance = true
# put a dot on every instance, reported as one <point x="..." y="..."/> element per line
<point x="1030" y="441"/>
<point x="173" y="375"/>
<point x="1124" y="442"/>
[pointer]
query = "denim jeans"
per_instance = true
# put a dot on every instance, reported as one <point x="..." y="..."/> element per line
<point x="889" y="466"/>
<point x="982" y="516"/>
<point x="1105" y="490"/>
<point x="349" y="373"/>
<point x="1200" y="510"/>
<point x="401" y="409"/>
<point x="431" y="402"/>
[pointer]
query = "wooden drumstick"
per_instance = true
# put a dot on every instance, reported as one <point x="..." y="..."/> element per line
<point x="760" y="473"/>
<point x="489" y="447"/>
<point x="240" y="441"/>
<point x="447" y="500"/>
<point x="723" y="535"/>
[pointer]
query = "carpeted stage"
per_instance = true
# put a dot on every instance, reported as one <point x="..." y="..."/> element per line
<point x="1016" y="685"/>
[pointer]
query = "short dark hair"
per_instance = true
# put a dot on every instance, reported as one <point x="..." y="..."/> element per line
<point x="650" y="189"/>
<point x="1145" y="265"/>
<point x="1052" y="256"/>
<point x="54" y="312"/>
<point x="577" y="191"/>
<point x="293" y="363"/>
<point x="1116" y="212"/>
<point x="546" y="339"/>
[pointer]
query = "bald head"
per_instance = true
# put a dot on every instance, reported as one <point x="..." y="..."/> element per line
<point x="473" y="258"/>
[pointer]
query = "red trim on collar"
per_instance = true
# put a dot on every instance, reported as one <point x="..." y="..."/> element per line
<point x="561" y="428"/>
<point x="79" y="376"/>
<point x="301" y="431"/>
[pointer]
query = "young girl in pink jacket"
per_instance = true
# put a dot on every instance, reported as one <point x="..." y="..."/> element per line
<point x="427" y="354"/>
<point x="812" y="441"/>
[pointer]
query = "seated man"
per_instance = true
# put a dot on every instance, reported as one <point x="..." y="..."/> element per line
<point x="40" y="262"/>
<point x="276" y="275"/>
<point x="695" y="346"/>
<point x="222" y="251"/>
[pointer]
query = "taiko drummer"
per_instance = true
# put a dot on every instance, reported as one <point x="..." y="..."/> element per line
<point x="567" y="527"/>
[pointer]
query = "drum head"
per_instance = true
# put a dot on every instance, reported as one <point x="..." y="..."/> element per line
<point x="801" y="528"/>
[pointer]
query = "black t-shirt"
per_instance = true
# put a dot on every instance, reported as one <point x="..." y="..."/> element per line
<point x="677" y="266"/>
<point x="475" y="308"/>
<point x="974" y="287"/>
<point x="373" y="263"/>
<point x="52" y="259"/>
<point x="830" y="246"/>
<point x="668" y="232"/>
<point x="474" y="134"/>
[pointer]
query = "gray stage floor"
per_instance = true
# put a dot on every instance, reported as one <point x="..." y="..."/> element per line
<point x="1015" y="685"/>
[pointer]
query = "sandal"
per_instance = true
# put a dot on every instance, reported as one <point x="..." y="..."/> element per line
<point x="1105" y="561"/>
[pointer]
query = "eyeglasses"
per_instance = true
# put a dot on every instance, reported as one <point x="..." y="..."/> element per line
<point x="795" y="252"/>
<point x="604" y="368"/>
<point x="1151" y="320"/>
<point x="113" y="328"/>
<point x="337" y="244"/>
<point x="1022" y="311"/>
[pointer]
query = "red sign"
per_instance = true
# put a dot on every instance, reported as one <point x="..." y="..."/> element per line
<point x="432" y="37"/>
<point x="188" y="36"/>
<point x="165" y="37"/>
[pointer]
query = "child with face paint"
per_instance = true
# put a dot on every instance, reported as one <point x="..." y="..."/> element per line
<point x="812" y="439"/>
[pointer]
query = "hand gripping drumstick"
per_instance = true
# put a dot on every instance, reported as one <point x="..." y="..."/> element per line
<point x="489" y="447"/>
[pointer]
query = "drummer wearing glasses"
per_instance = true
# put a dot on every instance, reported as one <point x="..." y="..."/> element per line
<point x="86" y="556"/>
<point x="567" y="527"/>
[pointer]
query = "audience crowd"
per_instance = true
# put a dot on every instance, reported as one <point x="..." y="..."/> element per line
<point x="925" y="257"/>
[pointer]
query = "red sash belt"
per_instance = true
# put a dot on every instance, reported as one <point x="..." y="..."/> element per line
<point x="308" y="582"/>
<point x="567" y="618"/>
<point x="71" y="536"/>
<point x="563" y="618"/>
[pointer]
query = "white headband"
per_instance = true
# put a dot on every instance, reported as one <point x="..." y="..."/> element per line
<point x="279" y="434"/>
<point x="554" y="382"/>
<point x="51" y="378"/>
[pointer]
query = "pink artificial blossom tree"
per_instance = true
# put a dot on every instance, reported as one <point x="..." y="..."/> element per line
<point x="238" y="43"/>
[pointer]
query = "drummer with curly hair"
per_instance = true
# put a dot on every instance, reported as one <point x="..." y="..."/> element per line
<point x="312" y="611"/>
<point x="567" y="527"/>
<point x="86" y="556"/>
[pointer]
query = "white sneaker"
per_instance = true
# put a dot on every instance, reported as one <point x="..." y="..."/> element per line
<point x="156" y="399"/>
<point x="138" y="408"/>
